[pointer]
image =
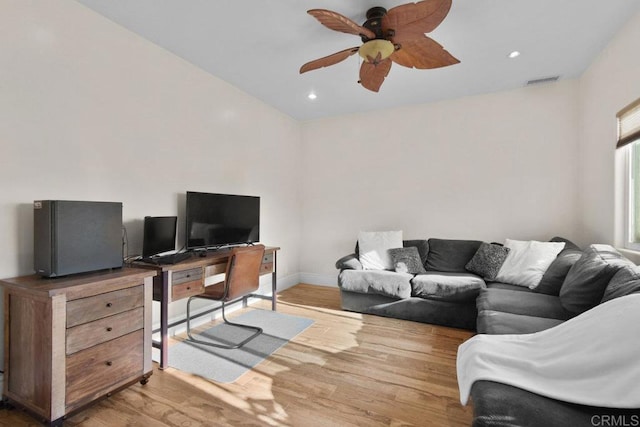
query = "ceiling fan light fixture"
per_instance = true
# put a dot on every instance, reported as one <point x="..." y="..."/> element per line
<point x="372" y="48"/>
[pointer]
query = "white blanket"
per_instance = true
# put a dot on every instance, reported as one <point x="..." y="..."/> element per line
<point x="592" y="359"/>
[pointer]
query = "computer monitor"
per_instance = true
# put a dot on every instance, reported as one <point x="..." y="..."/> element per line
<point x="159" y="235"/>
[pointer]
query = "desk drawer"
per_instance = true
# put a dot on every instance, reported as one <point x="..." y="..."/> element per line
<point x="94" y="370"/>
<point x="85" y="310"/>
<point x="267" y="258"/>
<point x="191" y="275"/>
<point x="102" y="330"/>
<point x="185" y="290"/>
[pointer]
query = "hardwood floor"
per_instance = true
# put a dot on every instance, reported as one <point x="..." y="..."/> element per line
<point x="347" y="369"/>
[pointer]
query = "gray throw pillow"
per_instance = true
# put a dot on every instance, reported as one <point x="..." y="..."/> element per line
<point x="487" y="260"/>
<point x="625" y="282"/>
<point x="584" y="285"/>
<point x="407" y="260"/>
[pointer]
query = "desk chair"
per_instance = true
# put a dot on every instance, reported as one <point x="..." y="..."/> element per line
<point x="241" y="279"/>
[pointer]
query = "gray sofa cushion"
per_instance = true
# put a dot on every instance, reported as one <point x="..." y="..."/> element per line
<point x="499" y="322"/>
<point x="380" y="282"/>
<point x="452" y="287"/>
<point x="625" y="282"/>
<point x="528" y="304"/>
<point x="487" y="260"/>
<point x="553" y="278"/>
<point x="451" y="255"/>
<point x="584" y="285"/>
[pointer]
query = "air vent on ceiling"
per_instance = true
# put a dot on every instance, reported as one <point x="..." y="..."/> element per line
<point x="543" y="80"/>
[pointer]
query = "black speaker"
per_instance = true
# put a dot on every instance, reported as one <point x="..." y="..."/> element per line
<point x="75" y="237"/>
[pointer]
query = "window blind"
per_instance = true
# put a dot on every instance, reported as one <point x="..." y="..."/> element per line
<point x="628" y="124"/>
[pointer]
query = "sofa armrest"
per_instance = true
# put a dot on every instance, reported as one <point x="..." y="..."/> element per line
<point x="349" y="262"/>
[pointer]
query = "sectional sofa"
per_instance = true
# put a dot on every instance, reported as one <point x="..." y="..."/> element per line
<point x="448" y="294"/>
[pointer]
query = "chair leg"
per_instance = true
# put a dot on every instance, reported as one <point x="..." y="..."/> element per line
<point x="257" y="330"/>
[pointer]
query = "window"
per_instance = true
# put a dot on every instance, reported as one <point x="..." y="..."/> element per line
<point x="629" y="138"/>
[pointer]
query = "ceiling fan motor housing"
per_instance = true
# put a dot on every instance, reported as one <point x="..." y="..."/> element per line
<point x="374" y="21"/>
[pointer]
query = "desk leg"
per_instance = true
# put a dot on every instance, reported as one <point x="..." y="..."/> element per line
<point x="274" y="281"/>
<point x="164" y="320"/>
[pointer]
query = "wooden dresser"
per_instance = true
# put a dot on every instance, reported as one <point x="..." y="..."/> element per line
<point x="70" y="341"/>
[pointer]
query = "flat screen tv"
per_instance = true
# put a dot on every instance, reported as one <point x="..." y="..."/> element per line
<point x="215" y="220"/>
<point x="159" y="235"/>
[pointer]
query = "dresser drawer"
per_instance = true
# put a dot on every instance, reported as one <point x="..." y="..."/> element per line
<point x="105" y="329"/>
<point x="85" y="310"/>
<point x="267" y="258"/>
<point x="93" y="371"/>
<point x="191" y="275"/>
<point x="186" y="290"/>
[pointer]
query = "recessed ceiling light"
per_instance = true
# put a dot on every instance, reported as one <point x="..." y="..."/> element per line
<point x="514" y="54"/>
<point x="312" y="96"/>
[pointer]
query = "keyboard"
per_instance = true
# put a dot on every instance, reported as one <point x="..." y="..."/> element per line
<point x="168" y="259"/>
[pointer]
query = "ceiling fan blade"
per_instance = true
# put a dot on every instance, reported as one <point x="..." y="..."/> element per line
<point x="415" y="18"/>
<point x="337" y="22"/>
<point x="423" y="53"/>
<point x="328" y="60"/>
<point x="372" y="74"/>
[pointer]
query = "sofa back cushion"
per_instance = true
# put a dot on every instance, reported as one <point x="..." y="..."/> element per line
<point x="584" y="286"/>
<point x="625" y="282"/>
<point x="450" y="256"/>
<point x="553" y="278"/>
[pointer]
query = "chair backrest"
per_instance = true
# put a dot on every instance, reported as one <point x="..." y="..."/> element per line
<point x="243" y="271"/>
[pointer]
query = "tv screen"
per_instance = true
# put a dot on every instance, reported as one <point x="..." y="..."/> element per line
<point x="215" y="220"/>
<point x="159" y="235"/>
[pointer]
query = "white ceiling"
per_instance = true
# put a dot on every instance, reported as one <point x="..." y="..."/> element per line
<point x="259" y="46"/>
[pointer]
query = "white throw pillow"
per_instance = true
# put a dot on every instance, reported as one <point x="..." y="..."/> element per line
<point x="527" y="261"/>
<point x="374" y="248"/>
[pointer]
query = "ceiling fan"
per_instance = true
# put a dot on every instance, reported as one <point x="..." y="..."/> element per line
<point x="397" y="35"/>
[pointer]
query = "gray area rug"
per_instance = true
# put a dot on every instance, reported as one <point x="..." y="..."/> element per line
<point x="226" y="366"/>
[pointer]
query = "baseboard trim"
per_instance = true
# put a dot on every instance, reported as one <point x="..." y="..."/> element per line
<point x="319" y="279"/>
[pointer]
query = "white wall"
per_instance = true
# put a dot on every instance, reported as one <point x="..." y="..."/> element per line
<point x="485" y="167"/>
<point x="90" y="111"/>
<point x="611" y="82"/>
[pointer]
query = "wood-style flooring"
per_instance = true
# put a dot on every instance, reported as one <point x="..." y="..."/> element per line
<point x="347" y="369"/>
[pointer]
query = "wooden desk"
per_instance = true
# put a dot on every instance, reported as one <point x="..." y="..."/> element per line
<point x="72" y="340"/>
<point x="187" y="278"/>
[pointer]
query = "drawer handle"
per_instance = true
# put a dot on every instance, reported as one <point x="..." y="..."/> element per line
<point x="109" y="363"/>
<point x="109" y="304"/>
<point x="188" y="288"/>
<point x="109" y="329"/>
